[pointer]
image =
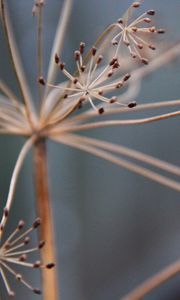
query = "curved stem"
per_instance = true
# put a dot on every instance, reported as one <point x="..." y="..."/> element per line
<point x="13" y="182"/>
<point x="40" y="48"/>
<point x="73" y="142"/>
<point x="59" y="38"/>
<point x="130" y="153"/>
<point x="107" y="123"/>
<point x="16" y="62"/>
<point x="140" y="107"/>
<point x="44" y="211"/>
<point x="150" y="284"/>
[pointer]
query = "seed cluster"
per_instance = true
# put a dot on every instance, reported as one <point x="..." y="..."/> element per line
<point x="134" y="34"/>
<point x="92" y="82"/>
<point x="96" y="78"/>
<point x="15" y="251"/>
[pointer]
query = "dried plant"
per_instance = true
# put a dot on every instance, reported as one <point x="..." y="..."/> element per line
<point x="95" y="86"/>
<point x="14" y="251"/>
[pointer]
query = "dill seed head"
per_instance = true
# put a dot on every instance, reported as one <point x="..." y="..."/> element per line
<point x="93" y="80"/>
<point x="14" y="251"/>
<point x="134" y="34"/>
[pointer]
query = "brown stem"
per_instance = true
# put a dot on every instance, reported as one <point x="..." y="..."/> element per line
<point x="150" y="284"/>
<point x="44" y="212"/>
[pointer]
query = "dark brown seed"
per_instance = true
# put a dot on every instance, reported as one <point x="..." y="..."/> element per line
<point x="37" y="222"/>
<point x="26" y="240"/>
<point x="101" y="110"/>
<point x="6" y="212"/>
<point x="99" y="60"/>
<point x="41" y="80"/>
<point x="37" y="291"/>
<point x="81" y="47"/>
<point x="161" y="31"/>
<point x="119" y="85"/>
<point x="94" y="50"/>
<point x="113" y="100"/>
<point x="136" y="4"/>
<point x="50" y="265"/>
<point x="151" y="12"/>
<point x="75" y="80"/>
<point x="132" y="104"/>
<point x="145" y="61"/>
<point x="147" y="20"/>
<point x="19" y="277"/>
<point x="37" y="264"/>
<point x="41" y="244"/>
<point x="120" y="21"/>
<point x="23" y="257"/>
<point x="61" y="66"/>
<point x="21" y="224"/>
<point x="126" y="77"/>
<point x="152" y="47"/>
<point x="56" y="58"/>
<point x="77" y="55"/>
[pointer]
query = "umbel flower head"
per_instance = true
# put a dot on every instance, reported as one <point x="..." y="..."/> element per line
<point x="89" y="83"/>
<point x="134" y="34"/>
<point x="15" y="251"/>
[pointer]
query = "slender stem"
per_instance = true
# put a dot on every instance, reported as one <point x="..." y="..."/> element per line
<point x="44" y="211"/>
<point x="130" y="153"/>
<point x="116" y="110"/>
<point x="40" y="49"/>
<point x="14" y="179"/>
<point x="107" y="123"/>
<point x="150" y="284"/>
<point x="59" y="38"/>
<point x="16" y="62"/>
<point x="8" y="93"/>
<point x="70" y="140"/>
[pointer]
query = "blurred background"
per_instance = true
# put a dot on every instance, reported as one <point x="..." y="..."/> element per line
<point x="113" y="228"/>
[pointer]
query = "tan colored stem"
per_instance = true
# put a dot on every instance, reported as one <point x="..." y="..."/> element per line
<point x="130" y="153"/>
<point x="70" y="140"/>
<point x="107" y="123"/>
<point x="40" y="48"/>
<point x="16" y="61"/>
<point x="59" y="38"/>
<point x="13" y="183"/>
<point x="150" y="284"/>
<point x="49" y="278"/>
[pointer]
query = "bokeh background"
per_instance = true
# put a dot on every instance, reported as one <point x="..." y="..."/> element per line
<point x="113" y="228"/>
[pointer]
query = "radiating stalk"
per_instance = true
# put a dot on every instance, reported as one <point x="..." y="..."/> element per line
<point x="155" y="281"/>
<point x="59" y="39"/>
<point x="40" y="48"/>
<point x="13" y="182"/>
<point x="49" y="279"/>
<point x="16" y="62"/>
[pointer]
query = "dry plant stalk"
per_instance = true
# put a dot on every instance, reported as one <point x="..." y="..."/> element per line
<point x="45" y="213"/>
<point x="98" y="74"/>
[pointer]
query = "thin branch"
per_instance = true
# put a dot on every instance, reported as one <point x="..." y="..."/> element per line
<point x="14" y="179"/>
<point x="155" y="162"/>
<point x="108" y="123"/>
<point x="117" y="110"/>
<point x="40" y="47"/>
<point x="155" y="281"/>
<point x="8" y="93"/>
<point x="71" y="141"/>
<point x="59" y="38"/>
<point x="16" y="62"/>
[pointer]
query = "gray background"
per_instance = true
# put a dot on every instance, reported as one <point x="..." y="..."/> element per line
<point x="113" y="228"/>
